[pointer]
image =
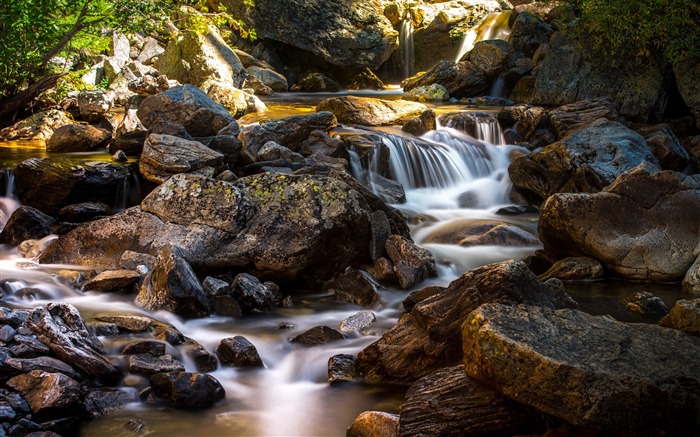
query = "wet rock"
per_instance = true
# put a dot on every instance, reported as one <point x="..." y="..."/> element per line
<point x="317" y="83"/>
<point x="370" y="111"/>
<point x="238" y="352"/>
<point x="493" y="57"/>
<point x="638" y="241"/>
<point x="7" y="333"/>
<point x="173" y="285"/>
<point x="82" y="212"/>
<point x="579" y="115"/>
<point x="60" y="327"/>
<point x="666" y="147"/>
<point x="354" y="286"/>
<point x="317" y="335"/>
<point x="357" y="321"/>
<point x="684" y="316"/>
<point x="47" y="391"/>
<point x="421" y="124"/>
<point x="26" y="223"/>
<point x="188" y="106"/>
<point x="166" y="155"/>
<point x="119" y="156"/>
<point x="148" y="365"/>
<point x="99" y="402"/>
<point x="427" y="93"/>
<point x="421" y="295"/>
<point x="447" y="402"/>
<point x="590" y="371"/>
<point x="113" y="280"/>
<point x="215" y="287"/>
<point x="187" y="390"/>
<point x="39" y="126"/>
<point x="126" y="322"/>
<point x="342" y="368"/>
<point x="203" y="360"/>
<point x="586" y="161"/>
<point x="78" y="138"/>
<point x="131" y="143"/>
<point x="167" y="333"/>
<point x="270" y="78"/>
<point x="460" y="79"/>
<point x="412" y="264"/>
<point x="225" y="306"/>
<point x="143" y="346"/>
<point x="374" y="424"/>
<point x="468" y="233"/>
<point x="468" y="122"/>
<point x="44" y="364"/>
<point x="28" y="346"/>
<point x="251" y="293"/>
<point x="579" y="268"/>
<point x="429" y="337"/>
<point x="103" y="329"/>
<point x="646" y="304"/>
<point x="381" y="230"/>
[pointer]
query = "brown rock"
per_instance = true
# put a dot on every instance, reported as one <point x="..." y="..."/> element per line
<point x="369" y="111"/>
<point x="374" y="424"/>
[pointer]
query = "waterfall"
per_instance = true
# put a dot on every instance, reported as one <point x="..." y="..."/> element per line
<point x="493" y="26"/>
<point x="498" y="86"/>
<point x="8" y="201"/>
<point x="483" y="127"/>
<point x="406" y="46"/>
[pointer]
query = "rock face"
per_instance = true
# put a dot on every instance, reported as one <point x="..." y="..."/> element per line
<point x="638" y="241"/>
<point x="344" y="33"/>
<point x="590" y="371"/>
<point x="186" y="105"/>
<point x="586" y="161"/>
<point x="369" y="111"/>
<point x="428" y="338"/>
<point x="78" y="138"/>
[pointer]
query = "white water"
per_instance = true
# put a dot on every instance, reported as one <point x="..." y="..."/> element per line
<point x="406" y="47"/>
<point x="493" y="26"/>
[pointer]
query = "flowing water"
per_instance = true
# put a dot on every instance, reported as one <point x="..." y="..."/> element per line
<point x="494" y="26"/>
<point x="406" y="46"/>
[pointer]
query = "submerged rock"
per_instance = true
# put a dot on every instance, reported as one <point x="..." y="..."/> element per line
<point x="646" y="304"/>
<point x="187" y="390"/>
<point x="317" y="335"/>
<point x="368" y="111"/>
<point x="238" y="352"/>
<point x="342" y="368"/>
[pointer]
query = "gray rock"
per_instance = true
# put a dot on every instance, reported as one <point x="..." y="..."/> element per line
<point x="271" y="151"/>
<point x="369" y="111"/>
<point x="225" y="306"/>
<point x="317" y="335"/>
<point x="44" y="364"/>
<point x="99" y="402"/>
<point x="691" y="280"/>
<point x="215" y="287"/>
<point x="381" y="230"/>
<point x="687" y="79"/>
<point x="47" y="391"/>
<point x="667" y="148"/>
<point x="468" y="233"/>
<point x="78" y="138"/>
<point x="130" y="260"/>
<point x="7" y="333"/>
<point x="166" y="155"/>
<point x="317" y="83"/>
<point x="357" y="321"/>
<point x="148" y="365"/>
<point x="529" y="32"/>
<point x="187" y="390"/>
<point x="251" y="293"/>
<point x="238" y="352"/>
<point x="39" y="126"/>
<point x="684" y="316"/>
<point x="421" y="295"/>
<point x="427" y="93"/>
<point x="342" y="368"/>
<point x="94" y="103"/>
<point x="113" y="280"/>
<point x="126" y="322"/>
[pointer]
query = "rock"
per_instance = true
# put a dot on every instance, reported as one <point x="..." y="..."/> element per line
<point x="421" y="124"/>
<point x="317" y="335"/>
<point x="203" y="360"/>
<point x="47" y="391"/>
<point x="39" y="126"/>
<point x="187" y="390"/>
<point x="468" y="122"/>
<point x="374" y="424"/>
<point x="343" y="34"/>
<point x="579" y="268"/>
<point x="637" y="242"/>
<point x="684" y="316"/>
<point x="236" y="101"/>
<point x="460" y="79"/>
<point x="225" y="306"/>
<point x="26" y="223"/>
<point x="354" y="286"/>
<point x="215" y="287"/>
<point x="691" y="281"/>
<point x="151" y="49"/>
<point x="358" y="321"/>
<point x="591" y="371"/>
<point x="687" y="80"/>
<point x="317" y="83"/>
<point x="78" y="138"/>
<point x="381" y="231"/>
<point x="135" y="426"/>
<point x="60" y="327"/>
<point x="49" y="184"/>
<point x="469" y="232"/>
<point x="646" y="304"/>
<point x="113" y="280"/>
<point x="269" y="77"/>
<point x="172" y="285"/>
<point x="320" y="143"/>
<point x="493" y="57"/>
<point x="342" y="368"/>
<point x="188" y="106"/>
<point x="131" y="143"/>
<point x="99" y="402"/>
<point x="251" y="293"/>
<point x="421" y="295"/>
<point x="155" y="348"/>
<point x="166" y="155"/>
<point x="271" y="151"/>
<point x="428" y="338"/>
<point x="83" y="212"/>
<point x="148" y="85"/>
<point x="94" y="104"/>
<point x="148" y="365"/>
<point x="132" y="260"/>
<point x="586" y="161"/>
<point x="43" y="364"/>
<point x="238" y="352"/>
<point x="579" y="115"/>
<point x="427" y="93"/>
<point x="412" y="264"/>
<point x="446" y="402"/>
<point x="525" y="118"/>
<point x="370" y="111"/>
<point x="529" y="32"/>
<point x="194" y="58"/>
<point x="666" y="147"/>
<point x="126" y="322"/>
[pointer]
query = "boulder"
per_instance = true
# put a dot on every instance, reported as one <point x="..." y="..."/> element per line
<point x="194" y="58"/>
<point x="78" y="138"/>
<point x="39" y="126"/>
<point x="47" y="391"/>
<point x="49" y="184"/>
<point x="148" y="85"/>
<point x="94" y="104"/>
<point x="252" y="294"/>
<point x="187" y="390"/>
<point x="586" y="161"/>
<point x="166" y="155"/>
<point x="590" y="371"/>
<point x="579" y="115"/>
<point x="429" y="337"/>
<point x="529" y="32"/>
<point x="684" y="316"/>
<point x="460" y="79"/>
<point x="238" y="352"/>
<point x="149" y="365"/>
<point x="83" y="212"/>
<point x="269" y="77"/>
<point x="215" y="287"/>
<point x="448" y="403"/>
<point x="113" y="280"/>
<point x="412" y="264"/>
<point x="493" y="57"/>
<point x="374" y="424"/>
<point x="342" y="368"/>
<point x="687" y="79"/>
<point x="639" y="241"/>
<point x="666" y="147"/>
<point x="236" y="101"/>
<point x="26" y="223"/>
<point x="578" y="268"/>
<point x="317" y="83"/>
<point x="691" y="281"/>
<point x="172" y="285"/>
<point x="151" y="49"/>
<point x="427" y="93"/>
<point x="317" y="335"/>
<point x="370" y="111"/>
<point x="469" y="232"/>
<point x="425" y="122"/>
<point x="354" y="286"/>
<point x="186" y="105"/>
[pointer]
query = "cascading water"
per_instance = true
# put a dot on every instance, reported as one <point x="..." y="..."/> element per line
<point x="494" y="26"/>
<point x="8" y="202"/>
<point x="406" y="46"/>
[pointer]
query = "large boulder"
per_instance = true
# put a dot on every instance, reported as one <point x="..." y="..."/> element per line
<point x="47" y="392"/>
<point x="429" y="337"/>
<point x="642" y="227"/>
<point x="461" y="79"/>
<point x="186" y="105"/>
<point x="39" y="126"/>
<point x="684" y="316"/>
<point x="493" y="57"/>
<point x="579" y="115"/>
<point x="78" y="138"/>
<point x="529" y="32"/>
<point x="166" y="155"/>
<point x="26" y="223"/>
<point x="343" y="33"/>
<point x="590" y="371"/>
<point x="370" y="111"/>
<point x="586" y="161"/>
<point x="187" y="390"/>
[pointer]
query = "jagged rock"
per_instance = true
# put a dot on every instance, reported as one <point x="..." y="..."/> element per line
<point x="143" y="346"/>
<point x="590" y="371"/>
<point x="646" y="304"/>
<point x="39" y="126"/>
<point x="421" y="124"/>
<point x="427" y="93"/>
<point x="44" y="364"/>
<point x="667" y="148"/>
<point x="448" y="403"/>
<point x="173" y="285"/>
<point x="586" y="161"/>
<point x="460" y="79"/>
<point x="238" y="352"/>
<point x="412" y="264"/>
<point x="148" y="365"/>
<point x="187" y="390"/>
<point x="342" y="368"/>
<point x="579" y="268"/>
<point x="579" y="115"/>
<point x="47" y="391"/>
<point x="28" y="346"/>
<point x="113" y="280"/>
<point x="354" y="286"/>
<point x="358" y="321"/>
<point x="269" y="77"/>
<point x="317" y="335"/>
<point x="637" y="242"/>
<point x="78" y="138"/>
<point x="82" y="212"/>
<point x="166" y="155"/>
<point x="215" y="287"/>
<point x="428" y="338"/>
<point x="370" y="111"/>
<point x="251" y="293"/>
<point x="493" y="57"/>
<point x="95" y="103"/>
<point x="374" y="424"/>
<point x="99" y="402"/>
<point x="26" y="223"/>
<point x="529" y="32"/>
<point x="684" y="316"/>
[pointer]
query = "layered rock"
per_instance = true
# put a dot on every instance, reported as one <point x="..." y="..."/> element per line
<point x="166" y="155"/>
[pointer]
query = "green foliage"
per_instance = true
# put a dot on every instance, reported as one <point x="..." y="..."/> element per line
<point x="642" y="27"/>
